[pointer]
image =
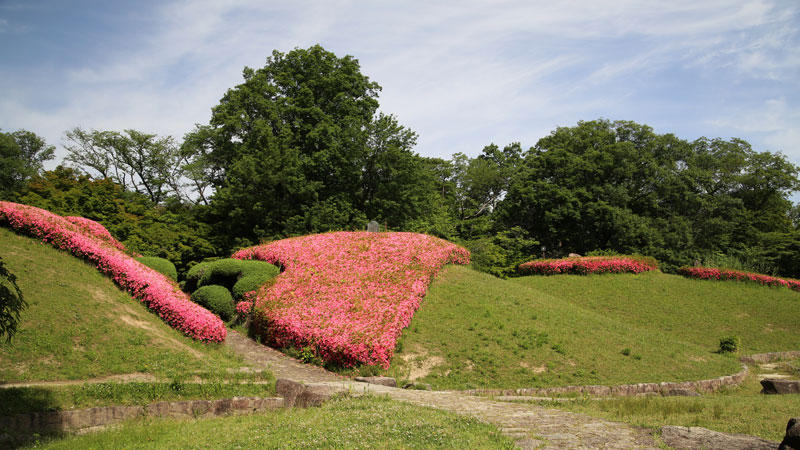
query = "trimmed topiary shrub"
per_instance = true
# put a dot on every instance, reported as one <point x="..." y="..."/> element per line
<point x="216" y="299"/>
<point x="226" y="272"/>
<point x="161" y="265"/>
<point x="250" y="283"/>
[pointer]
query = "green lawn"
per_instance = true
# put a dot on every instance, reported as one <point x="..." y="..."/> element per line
<point x="474" y="330"/>
<point x="741" y="409"/>
<point x="367" y="422"/>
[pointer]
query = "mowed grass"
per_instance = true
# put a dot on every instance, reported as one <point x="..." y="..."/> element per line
<point x="477" y="331"/>
<point x="741" y="409"/>
<point x="367" y="422"/>
<point x="79" y="325"/>
<point x="699" y="311"/>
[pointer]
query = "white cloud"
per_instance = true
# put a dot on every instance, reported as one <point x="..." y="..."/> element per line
<point x="460" y="73"/>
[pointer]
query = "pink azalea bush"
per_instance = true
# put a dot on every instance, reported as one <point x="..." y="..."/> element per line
<point x="347" y="295"/>
<point x="711" y="273"/>
<point x="155" y="290"/>
<point x="96" y="229"/>
<point x="589" y="264"/>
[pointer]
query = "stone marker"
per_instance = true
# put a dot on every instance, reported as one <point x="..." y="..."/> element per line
<point x="697" y="437"/>
<point x="778" y="386"/>
<point x="373" y="227"/>
<point x="383" y="381"/>
<point x="791" y="441"/>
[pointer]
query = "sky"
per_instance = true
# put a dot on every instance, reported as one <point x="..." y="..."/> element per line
<point x="462" y="74"/>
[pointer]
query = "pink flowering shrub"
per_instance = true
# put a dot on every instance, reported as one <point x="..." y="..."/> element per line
<point x="347" y="295"/>
<point x="155" y="290"/>
<point x="711" y="273"/>
<point x="243" y="308"/>
<point x="96" y="229"/>
<point x="589" y="264"/>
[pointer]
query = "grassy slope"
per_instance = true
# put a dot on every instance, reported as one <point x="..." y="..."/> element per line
<point x="80" y="325"/>
<point x="349" y="423"/>
<point x="543" y="331"/>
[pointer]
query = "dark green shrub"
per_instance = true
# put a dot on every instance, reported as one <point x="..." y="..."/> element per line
<point x="216" y="299"/>
<point x="161" y="265"/>
<point x="730" y="344"/>
<point x="250" y="283"/>
<point x="225" y="272"/>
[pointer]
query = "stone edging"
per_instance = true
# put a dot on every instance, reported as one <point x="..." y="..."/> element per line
<point x="663" y="388"/>
<point x="768" y="357"/>
<point x="86" y="419"/>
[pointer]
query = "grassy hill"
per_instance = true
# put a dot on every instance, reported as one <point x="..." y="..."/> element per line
<point x="475" y="330"/>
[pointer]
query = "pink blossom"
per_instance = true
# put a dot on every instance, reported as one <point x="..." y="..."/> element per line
<point x="589" y="264"/>
<point x="712" y="273"/>
<point x="155" y="290"/>
<point x="347" y="294"/>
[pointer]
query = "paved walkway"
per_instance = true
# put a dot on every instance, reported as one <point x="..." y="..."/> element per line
<point x="530" y="426"/>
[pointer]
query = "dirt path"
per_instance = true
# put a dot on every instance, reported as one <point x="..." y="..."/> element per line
<point x="530" y="426"/>
<point x="263" y="357"/>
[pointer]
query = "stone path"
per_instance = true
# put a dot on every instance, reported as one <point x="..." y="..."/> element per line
<point x="530" y="426"/>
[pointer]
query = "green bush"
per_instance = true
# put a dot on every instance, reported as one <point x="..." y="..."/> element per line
<point x="160" y="265"/>
<point x="250" y="283"/>
<point x="226" y="272"/>
<point x="216" y="299"/>
<point x="730" y="344"/>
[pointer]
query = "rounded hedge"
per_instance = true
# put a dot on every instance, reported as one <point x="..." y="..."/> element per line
<point x="226" y="272"/>
<point x="216" y="299"/>
<point x="250" y="283"/>
<point x="162" y="265"/>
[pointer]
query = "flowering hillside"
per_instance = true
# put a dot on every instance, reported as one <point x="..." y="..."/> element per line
<point x="347" y="294"/>
<point x="589" y="264"/>
<point x="88" y="241"/>
<point x="711" y="273"/>
<point x="96" y="229"/>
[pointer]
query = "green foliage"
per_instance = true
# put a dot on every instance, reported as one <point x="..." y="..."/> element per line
<point x="11" y="302"/>
<point x="228" y="272"/>
<point x="299" y="147"/>
<point x="161" y="265"/>
<point x="216" y="299"/>
<point x="21" y="156"/>
<point x="141" y="162"/>
<point x="730" y="344"/>
<point x="618" y="185"/>
<point x="251" y="283"/>
<point x="173" y="231"/>
<point x="500" y="254"/>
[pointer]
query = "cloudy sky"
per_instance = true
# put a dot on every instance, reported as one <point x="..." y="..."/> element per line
<point x="462" y="74"/>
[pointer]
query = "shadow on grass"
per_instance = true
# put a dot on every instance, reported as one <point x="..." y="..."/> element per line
<point x="16" y="432"/>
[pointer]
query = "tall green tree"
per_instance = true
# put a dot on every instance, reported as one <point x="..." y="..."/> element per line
<point x="299" y="147"/>
<point x="22" y="154"/>
<point x="141" y="162"/>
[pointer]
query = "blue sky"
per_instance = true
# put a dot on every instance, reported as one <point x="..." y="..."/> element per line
<point x="462" y="74"/>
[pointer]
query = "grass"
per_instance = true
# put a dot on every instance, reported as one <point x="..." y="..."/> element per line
<point x="475" y="330"/>
<point x="79" y="325"/>
<point x="733" y="410"/>
<point x="764" y="318"/>
<point x="366" y="422"/>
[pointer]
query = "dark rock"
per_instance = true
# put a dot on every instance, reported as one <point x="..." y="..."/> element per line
<point x="779" y="386"/>
<point x="697" y="437"/>
<point x="383" y="381"/>
<point x="301" y="395"/>
<point x="791" y="441"/>
<point x="683" y="393"/>
<point x="418" y="386"/>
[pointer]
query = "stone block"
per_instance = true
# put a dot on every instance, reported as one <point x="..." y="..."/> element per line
<point x="779" y="386"/>
<point x="383" y="381"/>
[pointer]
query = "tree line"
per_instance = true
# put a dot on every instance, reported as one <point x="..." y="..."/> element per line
<point x="300" y="146"/>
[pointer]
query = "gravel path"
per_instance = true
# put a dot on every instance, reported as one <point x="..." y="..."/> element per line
<point x="530" y="426"/>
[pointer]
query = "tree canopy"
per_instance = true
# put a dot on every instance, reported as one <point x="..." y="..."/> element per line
<point x="22" y="154"/>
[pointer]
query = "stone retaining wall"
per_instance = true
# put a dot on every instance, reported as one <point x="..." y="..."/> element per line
<point x="769" y="357"/>
<point x="82" y="419"/>
<point x="663" y="388"/>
